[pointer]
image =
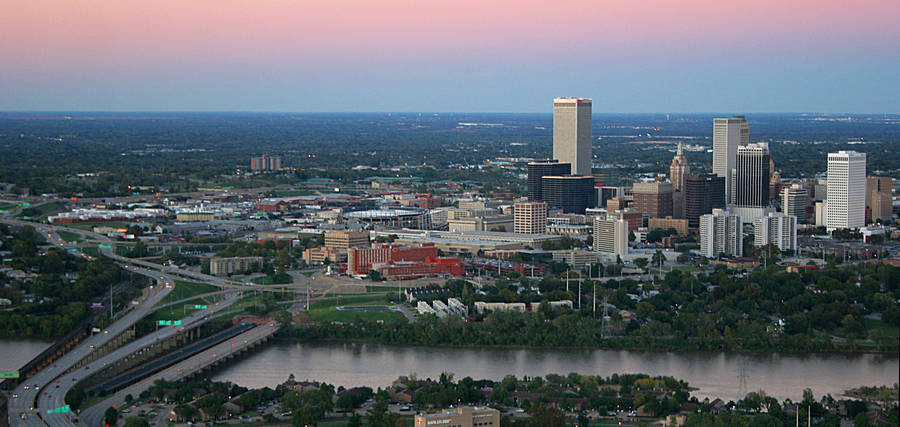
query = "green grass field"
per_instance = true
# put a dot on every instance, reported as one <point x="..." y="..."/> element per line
<point x="350" y="300"/>
<point x="69" y="236"/>
<point x="335" y="315"/>
<point x="879" y="330"/>
<point x="42" y="211"/>
<point x="186" y="290"/>
<point x="91" y="250"/>
<point x="89" y="226"/>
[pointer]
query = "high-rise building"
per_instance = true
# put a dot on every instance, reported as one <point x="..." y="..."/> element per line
<point x="776" y="228"/>
<point x="530" y="217"/>
<point x="605" y="193"/>
<point x="571" y="193"/>
<point x="572" y="133"/>
<point x="879" y="197"/>
<point x="633" y="217"/>
<point x="540" y="169"/>
<point x="751" y="176"/>
<point x="728" y="135"/>
<point x="721" y="232"/>
<point x="846" y="198"/>
<point x="265" y="163"/>
<point x="794" y="200"/>
<point x="617" y="203"/>
<point x="678" y="169"/>
<point x="654" y="199"/>
<point x="702" y="194"/>
<point x="345" y="239"/>
<point x="611" y="236"/>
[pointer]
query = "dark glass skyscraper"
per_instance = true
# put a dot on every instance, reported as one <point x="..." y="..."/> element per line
<point x="539" y="169"/>
<point x="572" y="194"/>
<point x="702" y="194"/>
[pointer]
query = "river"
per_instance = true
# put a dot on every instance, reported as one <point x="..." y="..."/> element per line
<point x="715" y="374"/>
<point x="14" y="353"/>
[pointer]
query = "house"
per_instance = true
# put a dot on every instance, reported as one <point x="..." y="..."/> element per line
<point x="232" y="407"/>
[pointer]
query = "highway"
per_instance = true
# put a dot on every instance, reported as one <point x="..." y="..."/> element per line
<point x="24" y="396"/>
<point x="53" y="395"/>
<point x="93" y="416"/>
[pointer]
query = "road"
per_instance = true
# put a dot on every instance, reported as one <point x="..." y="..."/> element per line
<point x="55" y="397"/>
<point x="94" y="416"/>
<point x="26" y="393"/>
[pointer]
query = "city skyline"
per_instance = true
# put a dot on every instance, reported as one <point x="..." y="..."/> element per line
<point x="398" y="56"/>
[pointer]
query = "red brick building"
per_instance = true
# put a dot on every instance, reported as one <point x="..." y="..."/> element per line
<point x="360" y="260"/>
<point x="415" y="269"/>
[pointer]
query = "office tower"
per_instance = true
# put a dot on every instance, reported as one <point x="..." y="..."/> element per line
<point x="821" y="209"/>
<point x="540" y="169"/>
<point x="751" y="176"/>
<point x="776" y="228"/>
<point x="728" y="135"/>
<point x="611" y="236"/>
<point x="654" y="199"/>
<point x="530" y="218"/>
<point x="572" y="133"/>
<point x="702" y="194"/>
<point x="721" y="233"/>
<point x="879" y="197"/>
<point x="794" y="200"/>
<point x="678" y="170"/>
<point x="572" y="194"/>
<point x="633" y="217"/>
<point x="846" y="206"/>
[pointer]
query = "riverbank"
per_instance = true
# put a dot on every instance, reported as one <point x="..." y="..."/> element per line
<point x="349" y="364"/>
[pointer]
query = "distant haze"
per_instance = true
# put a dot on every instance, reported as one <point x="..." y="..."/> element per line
<point x="430" y="55"/>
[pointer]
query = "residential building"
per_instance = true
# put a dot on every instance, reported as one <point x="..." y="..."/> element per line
<point x="778" y="229"/>
<point x="794" y="200"/>
<point x="572" y="194"/>
<point x="540" y="169"/>
<point x="721" y="232"/>
<point x="751" y="176"/>
<point x="225" y="266"/>
<point x="728" y="135"/>
<point x="654" y="199"/>
<point x="572" y="133"/>
<point x="678" y="169"/>
<point x="611" y="236"/>
<point x="702" y="194"/>
<point x="846" y="190"/>
<point x="530" y="217"/>
<point x="879" y="197"/>
<point x="265" y="163"/>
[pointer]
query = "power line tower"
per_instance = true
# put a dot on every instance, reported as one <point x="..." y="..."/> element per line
<point x="604" y="323"/>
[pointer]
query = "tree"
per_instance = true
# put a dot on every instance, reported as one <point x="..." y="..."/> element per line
<point x="375" y="276"/>
<point x="111" y="416"/>
<point x="136" y="422"/>
<point x="303" y="417"/>
<point x="543" y="415"/>
<point x="642" y="263"/>
<point x="354" y="421"/>
<point x="659" y="258"/>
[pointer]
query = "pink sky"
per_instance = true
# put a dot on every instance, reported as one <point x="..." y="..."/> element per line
<point x="93" y="42"/>
<point x="46" y="32"/>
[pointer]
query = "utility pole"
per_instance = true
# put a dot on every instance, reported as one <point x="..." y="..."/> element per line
<point x="110" y="302"/>
<point x="594" y="301"/>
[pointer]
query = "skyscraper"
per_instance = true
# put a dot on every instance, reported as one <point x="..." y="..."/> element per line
<point x="879" y="197"/>
<point x="702" y="194"/>
<point x="728" y="135"/>
<point x="540" y="169"/>
<point x="794" y="200"/>
<point x="678" y="170"/>
<point x="572" y="133"/>
<point x="572" y="194"/>
<point x="751" y="175"/>
<point x="721" y="232"/>
<point x="530" y="217"/>
<point x="611" y="236"/>
<point x="654" y="199"/>
<point x="846" y="198"/>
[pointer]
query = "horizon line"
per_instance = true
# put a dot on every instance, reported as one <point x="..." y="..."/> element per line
<point x="429" y="112"/>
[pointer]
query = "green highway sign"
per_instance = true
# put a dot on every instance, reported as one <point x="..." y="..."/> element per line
<point x="102" y="246"/>
<point x="4" y="211"/>
<point x="61" y="410"/>
<point x="200" y="307"/>
<point x="26" y="204"/>
<point x="8" y="374"/>
<point x="169" y="323"/>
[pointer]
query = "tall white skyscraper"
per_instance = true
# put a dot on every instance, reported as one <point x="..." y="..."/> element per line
<point x="572" y="133"/>
<point x="721" y="232"/>
<point x="846" y="193"/>
<point x="530" y="217"/>
<point x="728" y="134"/>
